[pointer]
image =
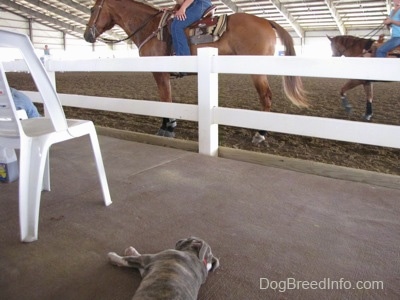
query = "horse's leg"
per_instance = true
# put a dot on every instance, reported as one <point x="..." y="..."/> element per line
<point x="369" y="95"/>
<point x="351" y="84"/>
<point x="345" y="102"/>
<point x="164" y="90"/>
<point x="265" y="95"/>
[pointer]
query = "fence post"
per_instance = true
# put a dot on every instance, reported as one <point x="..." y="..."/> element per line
<point x="52" y="74"/>
<point x="207" y="100"/>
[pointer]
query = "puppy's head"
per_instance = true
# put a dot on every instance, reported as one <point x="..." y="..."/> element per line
<point x="201" y="249"/>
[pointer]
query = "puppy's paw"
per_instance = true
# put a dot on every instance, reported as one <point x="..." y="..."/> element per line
<point x="117" y="260"/>
<point x="130" y="251"/>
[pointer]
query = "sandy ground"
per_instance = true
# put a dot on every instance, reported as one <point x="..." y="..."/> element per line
<point x="237" y="91"/>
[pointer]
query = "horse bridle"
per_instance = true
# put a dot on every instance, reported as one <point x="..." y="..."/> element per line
<point x="364" y="37"/>
<point x="93" y="28"/>
<point x="343" y="48"/>
<point x="340" y="52"/>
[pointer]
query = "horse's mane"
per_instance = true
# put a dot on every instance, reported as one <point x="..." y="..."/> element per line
<point x="350" y="40"/>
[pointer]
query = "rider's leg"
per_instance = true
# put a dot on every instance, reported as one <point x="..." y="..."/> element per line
<point x="389" y="45"/>
<point x="193" y="13"/>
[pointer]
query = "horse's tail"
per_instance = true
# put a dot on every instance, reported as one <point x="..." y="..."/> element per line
<point x="292" y="85"/>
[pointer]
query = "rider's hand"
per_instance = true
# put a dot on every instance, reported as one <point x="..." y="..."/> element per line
<point x="387" y="21"/>
<point x="181" y="14"/>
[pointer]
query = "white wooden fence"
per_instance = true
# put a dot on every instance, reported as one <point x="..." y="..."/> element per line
<point x="207" y="112"/>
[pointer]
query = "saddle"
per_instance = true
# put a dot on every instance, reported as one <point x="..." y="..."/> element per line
<point x="370" y="50"/>
<point x="208" y="29"/>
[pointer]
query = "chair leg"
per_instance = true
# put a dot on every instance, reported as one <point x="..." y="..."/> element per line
<point x="100" y="166"/>
<point x="46" y="174"/>
<point x="33" y="161"/>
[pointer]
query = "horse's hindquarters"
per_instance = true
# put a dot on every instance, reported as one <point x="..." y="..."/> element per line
<point x="257" y="37"/>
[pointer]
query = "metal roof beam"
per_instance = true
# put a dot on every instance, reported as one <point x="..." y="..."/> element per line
<point x="278" y="5"/>
<point x="388" y="6"/>
<point x="76" y="6"/>
<point x="336" y="16"/>
<point x="52" y="22"/>
<point x="232" y="6"/>
<point x="56" y="11"/>
<point x="37" y="15"/>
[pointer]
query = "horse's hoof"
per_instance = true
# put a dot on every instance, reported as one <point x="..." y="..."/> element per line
<point x="346" y="104"/>
<point x="368" y="117"/>
<point x="166" y="133"/>
<point x="169" y="134"/>
<point x="258" y="139"/>
<point x="348" y="108"/>
<point x="160" y="132"/>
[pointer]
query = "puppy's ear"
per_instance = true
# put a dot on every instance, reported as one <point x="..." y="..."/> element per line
<point x="214" y="263"/>
<point x="179" y="244"/>
<point x="203" y="248"/>
<point x="206" y="255"/>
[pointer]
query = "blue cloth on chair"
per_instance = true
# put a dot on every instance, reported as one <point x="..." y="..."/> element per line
<point x="22" y="101"/>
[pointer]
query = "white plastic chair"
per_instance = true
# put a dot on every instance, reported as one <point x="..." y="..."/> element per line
<point x="35" y="136"/>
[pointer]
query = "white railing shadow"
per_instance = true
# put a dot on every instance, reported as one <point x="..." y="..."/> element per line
<point x="207" y="112"/>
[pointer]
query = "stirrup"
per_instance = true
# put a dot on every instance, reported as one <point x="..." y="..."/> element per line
<point x="177" y="75"/>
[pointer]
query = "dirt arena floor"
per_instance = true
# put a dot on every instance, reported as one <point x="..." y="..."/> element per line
<point x="237" y="91"/>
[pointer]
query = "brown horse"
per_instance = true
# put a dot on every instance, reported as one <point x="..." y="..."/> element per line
<point x="245" y="35"/>
<point x="351" y="46"/>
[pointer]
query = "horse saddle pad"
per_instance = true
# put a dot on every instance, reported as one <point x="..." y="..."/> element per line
<point x="205" y="30"/>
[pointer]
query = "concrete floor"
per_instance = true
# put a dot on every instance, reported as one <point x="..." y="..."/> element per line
<point x="309" y="236"/>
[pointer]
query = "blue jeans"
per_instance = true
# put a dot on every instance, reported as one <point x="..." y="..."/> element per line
<point x="193" y="13"/>
<point x="22" y="101"/>
<point x="389" y="45"/>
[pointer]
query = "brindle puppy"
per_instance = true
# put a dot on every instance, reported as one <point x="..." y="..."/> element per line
<point x="171" y="274"/>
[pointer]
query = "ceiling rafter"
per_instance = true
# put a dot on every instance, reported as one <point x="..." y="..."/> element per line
<point x="232" y="6"/>
<point x="388" y="6"/>
<point x="51" y="21"/>
<point x="336" y="16"/>
<point x="296" y="16"/>
<point x="56" y="11"/>
<point x="42" y="18"/>
<point x="76" y="6"/>
<point x="288" y="17"/>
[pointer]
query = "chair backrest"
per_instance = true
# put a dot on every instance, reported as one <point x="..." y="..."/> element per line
<point x="43" y="83"/>
<point x="9" y="124"/>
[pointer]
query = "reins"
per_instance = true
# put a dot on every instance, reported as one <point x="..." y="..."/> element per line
<point x="374" y="31"/>
<point x="93" y="28"/>
<point x="109" y="41"/>
<point x="344" y="47"/>
<point x="371" y="33"/>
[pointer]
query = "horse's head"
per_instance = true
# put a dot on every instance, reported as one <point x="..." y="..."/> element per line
<point x="348" y="45"/>
<point x="336" y="46"/>
<point x="100" y="20"/>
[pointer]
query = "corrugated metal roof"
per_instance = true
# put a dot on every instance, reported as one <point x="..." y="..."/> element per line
<point x="296" y="16"/>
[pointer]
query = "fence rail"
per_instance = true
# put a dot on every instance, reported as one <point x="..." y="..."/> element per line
<point x="207" y="112"/>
